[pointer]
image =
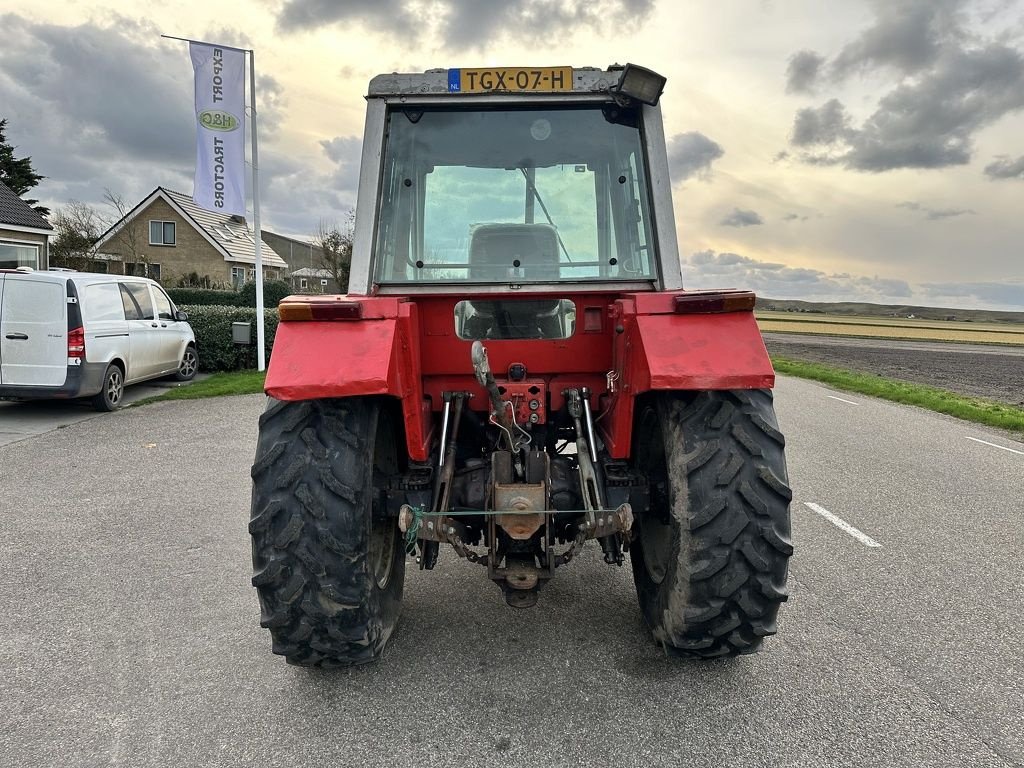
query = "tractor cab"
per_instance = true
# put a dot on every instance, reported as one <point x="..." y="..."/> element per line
<point x="514" y="189"/>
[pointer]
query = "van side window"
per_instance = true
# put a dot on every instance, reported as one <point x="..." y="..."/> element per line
<point x="140" y="294"/>
<point x="131" y="307"/>
<point x="163" y="305"/>
<point x="102" y="302"/>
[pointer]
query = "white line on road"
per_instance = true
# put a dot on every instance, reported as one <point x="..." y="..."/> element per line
<point x="863" y="538"/>
<point x="1001" y="447"/>
<point x="841" y="400"/>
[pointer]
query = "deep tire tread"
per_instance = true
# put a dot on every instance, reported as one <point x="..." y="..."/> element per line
<point x="730" y="523"/>
<point x="311" y="503"/>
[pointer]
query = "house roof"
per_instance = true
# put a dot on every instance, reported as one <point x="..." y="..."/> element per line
<point x="16" y="212"/>
<point x="310" y="272"/>
<point x="230" y="235"/>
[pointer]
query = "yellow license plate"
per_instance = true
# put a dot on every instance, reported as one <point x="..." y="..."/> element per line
<point x="510" y="79"/>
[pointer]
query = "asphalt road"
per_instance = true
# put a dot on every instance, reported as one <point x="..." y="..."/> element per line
<point x="22" y="420"/>
<point x="130" y="631"/>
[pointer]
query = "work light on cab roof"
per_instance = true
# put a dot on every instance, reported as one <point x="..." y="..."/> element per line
<point x="516" y="371"/>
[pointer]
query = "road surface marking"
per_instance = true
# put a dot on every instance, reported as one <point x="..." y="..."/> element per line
<point x="841" y="400"/>
<point x="1000" y="447"/>
<point x="863" y="538"/>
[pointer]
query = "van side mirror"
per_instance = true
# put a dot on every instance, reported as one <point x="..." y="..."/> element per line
<point x="182" y="316"/>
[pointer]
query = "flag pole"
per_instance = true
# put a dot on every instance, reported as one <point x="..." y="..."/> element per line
<point x="261" y="354"/>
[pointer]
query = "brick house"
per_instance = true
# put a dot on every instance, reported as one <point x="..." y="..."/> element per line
<point x="313" y="280"/>
<point x="297" y="253"/>
<point x="24" y="234"/>
<point x="169" y="238"/>
<point x="306" y="262"/>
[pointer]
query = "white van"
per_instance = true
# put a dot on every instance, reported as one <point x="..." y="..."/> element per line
<point x="76" y="334"/>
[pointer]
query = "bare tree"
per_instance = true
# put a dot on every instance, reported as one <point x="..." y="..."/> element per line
<point x="77" y="226"/>
<point x="131" y="237"/>
<point x="335" y="244"/>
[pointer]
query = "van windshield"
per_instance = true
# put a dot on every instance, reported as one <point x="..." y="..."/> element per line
<point x="508" y="195"/>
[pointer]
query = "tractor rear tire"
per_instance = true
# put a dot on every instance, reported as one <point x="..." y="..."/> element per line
<point x="328" y="563"/>
<point x="711" y="554"/>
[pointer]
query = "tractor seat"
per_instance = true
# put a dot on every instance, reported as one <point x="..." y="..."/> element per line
<point x="513" y="252"/>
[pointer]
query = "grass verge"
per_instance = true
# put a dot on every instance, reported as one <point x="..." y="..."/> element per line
<point x="988" y="412"/>
<point x="217" y="385"/>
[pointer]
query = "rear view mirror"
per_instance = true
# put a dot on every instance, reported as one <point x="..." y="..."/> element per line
<point x="179" y="315"/>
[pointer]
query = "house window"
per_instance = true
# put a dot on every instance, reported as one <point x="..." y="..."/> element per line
<point x="252" y="273"/>
<point x="323" y="282"/>
<point x="237" y="276"/>
<point x="153" y="271"/>
<point x="14" y="255"/>
<point x="161" y="233"/>
<point x="302" y="283"/>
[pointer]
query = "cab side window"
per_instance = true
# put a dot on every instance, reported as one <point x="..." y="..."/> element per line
<point x="163" y="305"/>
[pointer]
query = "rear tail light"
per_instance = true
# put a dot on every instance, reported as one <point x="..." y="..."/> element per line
<point x="713" y="302"/>
<point x="76" y="344"/>
<point x="332" y="309"/>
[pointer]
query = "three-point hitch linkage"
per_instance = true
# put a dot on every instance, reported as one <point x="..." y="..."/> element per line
<point x="520" y="522"/>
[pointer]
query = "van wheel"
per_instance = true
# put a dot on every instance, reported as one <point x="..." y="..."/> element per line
<point x="109" y="398"/>
<point x="189" y="364"/>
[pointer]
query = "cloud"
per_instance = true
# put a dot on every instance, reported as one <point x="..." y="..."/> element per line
<point x="464" y="24"/>
<point x="1003" y="167"/>
<point x="270" y="103"/>
<point x="741" y="218"/>
<point x="935" y="214"/>
<point x="951" y="83"/>
<point x="111" y="106"/>
<point x="305" y="196"/>
<point x="89" y="92"/>
<point x="827" y="125"/>
<point x="691" y="154"/>
<point x="907" y="36"/>
<point x="343" y="149"/>
<point x="1006" y="295"/>
<point x="802" y="72"/>
<point x="709" y="269"/>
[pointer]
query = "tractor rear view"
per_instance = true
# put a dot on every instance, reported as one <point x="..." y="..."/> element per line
<point x="516" y="374"/>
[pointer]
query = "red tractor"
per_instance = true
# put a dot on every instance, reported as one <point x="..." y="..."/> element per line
<point x="516" y="370"/>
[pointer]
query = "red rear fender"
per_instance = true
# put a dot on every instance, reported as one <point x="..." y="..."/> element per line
<point x="315" y="359"/>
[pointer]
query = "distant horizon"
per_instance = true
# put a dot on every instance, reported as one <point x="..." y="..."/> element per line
<point x="945" y="308"/>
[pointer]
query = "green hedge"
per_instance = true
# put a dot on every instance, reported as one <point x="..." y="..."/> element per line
<point x="212" y="326"/>
<point x="273" y="292"/>
<point x="206" y="296"/>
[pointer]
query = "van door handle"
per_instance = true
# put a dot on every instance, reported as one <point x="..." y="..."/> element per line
<point x="163" y="325"/>
<point x="153" y="325"/>
<point x="17" y="336"/>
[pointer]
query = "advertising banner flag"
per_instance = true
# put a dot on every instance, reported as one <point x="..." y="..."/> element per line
<point x="220" y="128"/>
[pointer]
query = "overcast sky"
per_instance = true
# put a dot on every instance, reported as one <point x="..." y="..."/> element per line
<point x="868" y="150"/>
